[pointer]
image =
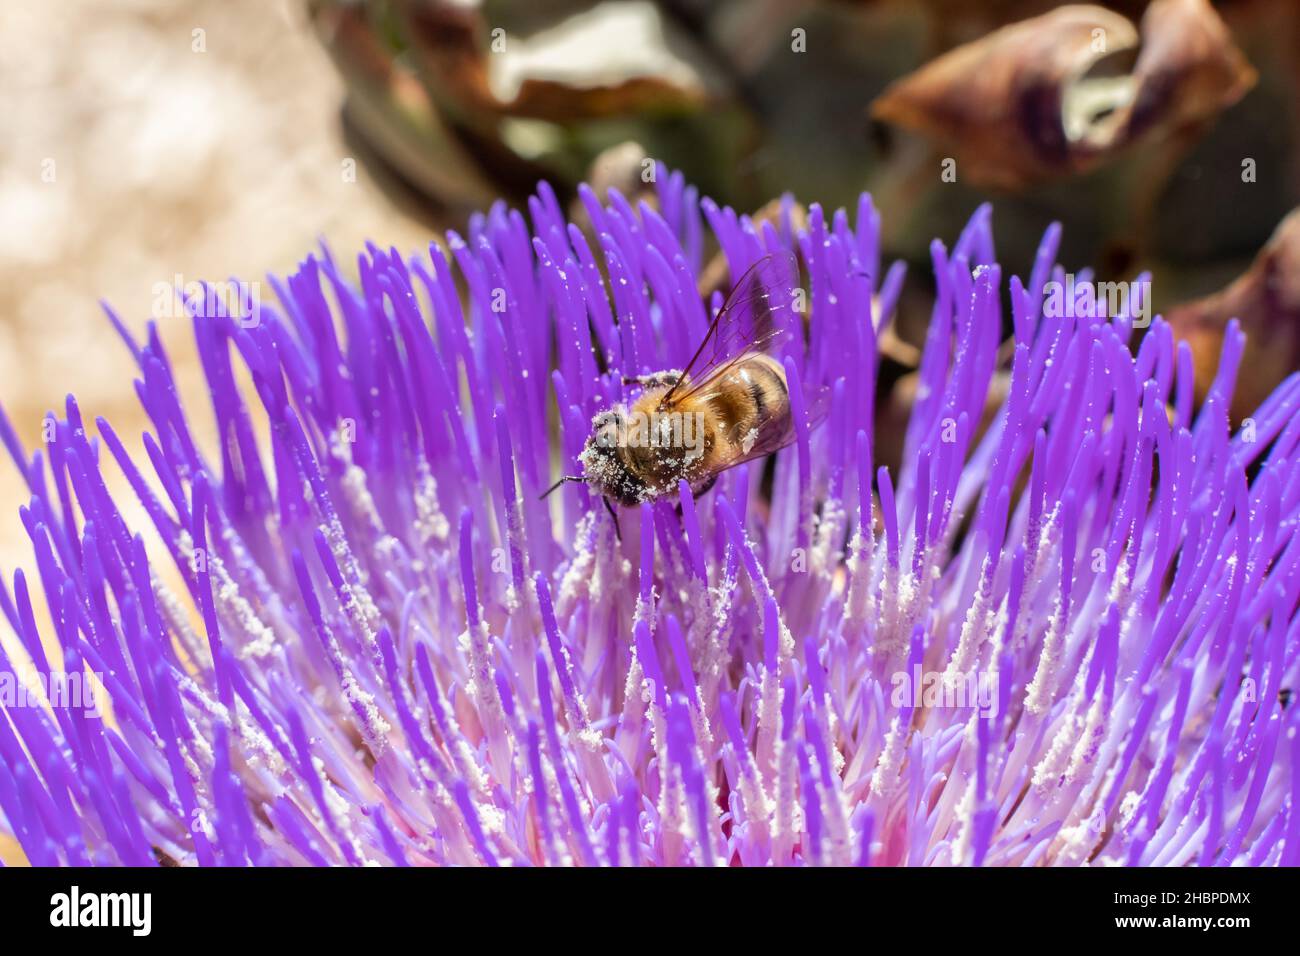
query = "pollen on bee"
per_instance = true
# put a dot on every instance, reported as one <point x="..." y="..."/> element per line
<point x="657" y="429"/>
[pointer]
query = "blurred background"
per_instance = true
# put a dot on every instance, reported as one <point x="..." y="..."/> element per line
<point x="146" y="144"/>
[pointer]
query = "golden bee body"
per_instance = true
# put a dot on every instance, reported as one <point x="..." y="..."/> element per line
<point x="640" y="453"/>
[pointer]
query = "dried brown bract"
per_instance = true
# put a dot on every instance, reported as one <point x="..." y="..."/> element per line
<point x="477" y="67"/>
<point x="1028" y="103"/>
<point x="1266" y="300"/>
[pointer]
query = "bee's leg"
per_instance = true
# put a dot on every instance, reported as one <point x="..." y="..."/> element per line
<point x="656" y="380"/>
<point x="613" y="514"/>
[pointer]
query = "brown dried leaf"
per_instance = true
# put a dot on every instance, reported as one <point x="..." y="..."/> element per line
<point x="1019" y="107"/>
<point x="389" y="107"/>
<point x="1266" y="300"/>
<point x="452" y="43"/>
<point x="1189" y="70"/>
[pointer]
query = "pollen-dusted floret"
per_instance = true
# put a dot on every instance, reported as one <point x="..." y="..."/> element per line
<point x="357" y="636"/>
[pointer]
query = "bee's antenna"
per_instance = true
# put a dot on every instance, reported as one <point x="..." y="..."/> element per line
<point x="543" y="495"/>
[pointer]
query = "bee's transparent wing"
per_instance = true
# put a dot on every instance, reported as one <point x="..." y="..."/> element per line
<point x="748" y="322"/>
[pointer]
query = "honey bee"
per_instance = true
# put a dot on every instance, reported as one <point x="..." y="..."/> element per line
<point x="729" y="405"/>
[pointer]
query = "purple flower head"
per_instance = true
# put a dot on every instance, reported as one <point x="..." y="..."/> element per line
<point x="1063" y="632"/>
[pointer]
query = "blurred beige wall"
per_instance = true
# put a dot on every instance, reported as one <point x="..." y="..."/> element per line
<point x="141" y="140"/>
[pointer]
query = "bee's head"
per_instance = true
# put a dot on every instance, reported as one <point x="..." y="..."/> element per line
<point x="604" y="459"/>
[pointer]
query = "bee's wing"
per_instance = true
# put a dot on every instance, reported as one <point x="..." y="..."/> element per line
<point x="747" y="323"/>
<point x="774" y="433"/>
